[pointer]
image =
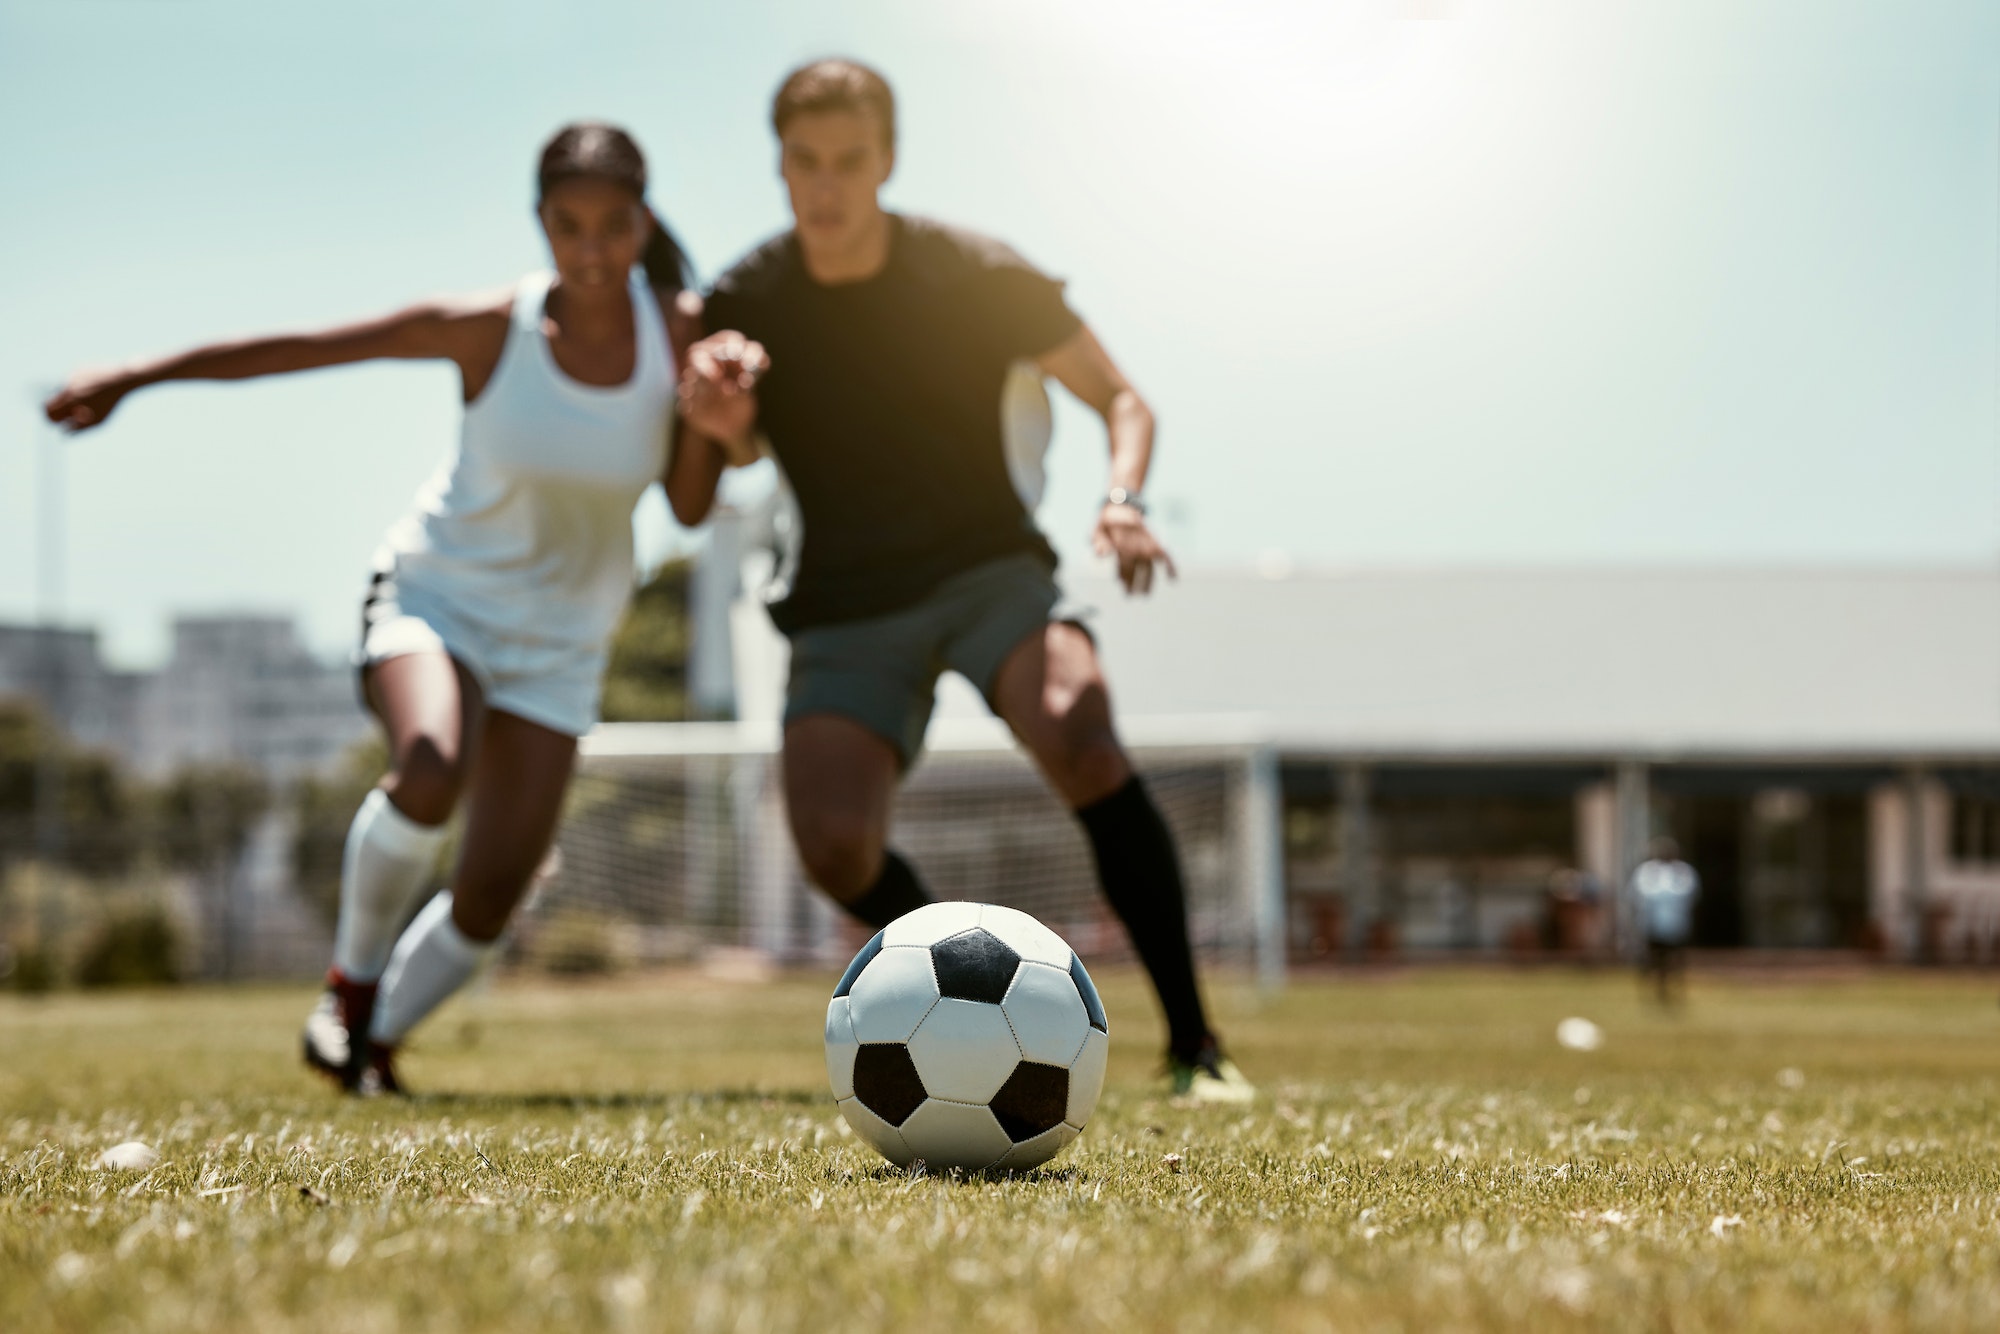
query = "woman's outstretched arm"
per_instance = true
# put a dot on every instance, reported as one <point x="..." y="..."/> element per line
<point x="469" y="331"/>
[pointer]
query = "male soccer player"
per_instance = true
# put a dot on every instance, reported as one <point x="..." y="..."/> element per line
<point x="890" y="339"/>
<point x="1664" y="889"/>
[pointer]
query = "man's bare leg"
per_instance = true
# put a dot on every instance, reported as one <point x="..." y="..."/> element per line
<point x="1052" y="693"/>
<point x="840" y="783"/>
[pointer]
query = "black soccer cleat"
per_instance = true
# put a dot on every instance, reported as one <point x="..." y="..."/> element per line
<point x="330" y="1043"/>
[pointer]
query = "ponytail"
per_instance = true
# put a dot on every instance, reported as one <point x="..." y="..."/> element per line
<point x="666" y="264"/>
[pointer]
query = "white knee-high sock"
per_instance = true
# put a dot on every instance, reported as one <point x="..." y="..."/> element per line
<point x="388" y="858"/>
<point x="432" y="960"/>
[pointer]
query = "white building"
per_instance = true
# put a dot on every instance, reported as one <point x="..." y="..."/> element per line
<point x="63" y="673"/>
<point x="235" y="689"/>
<point x="245" y="689"/>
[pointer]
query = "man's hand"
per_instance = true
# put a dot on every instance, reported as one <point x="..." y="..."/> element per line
<point x="717" y="394"/>
<point x="1121" y="531"/>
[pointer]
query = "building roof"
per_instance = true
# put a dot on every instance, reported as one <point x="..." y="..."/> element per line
<point x="1813" y="664"/>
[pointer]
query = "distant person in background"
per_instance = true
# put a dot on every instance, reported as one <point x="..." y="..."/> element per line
<point x="893" y="342"/>
<point x="1664" y="890"/>
<point x="486" y="626"/>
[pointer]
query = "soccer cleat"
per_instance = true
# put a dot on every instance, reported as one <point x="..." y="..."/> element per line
<point x="344" y="1009"/>
<point x="379" y="1079"/>
<point x="1210" y="1078"/>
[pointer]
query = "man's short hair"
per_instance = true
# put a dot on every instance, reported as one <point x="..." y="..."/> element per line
<point x="835" y="85"/>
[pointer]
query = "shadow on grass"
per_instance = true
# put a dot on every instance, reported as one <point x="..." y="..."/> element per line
<point x="889" y="1173"/>
<point x="620" y="1100"/>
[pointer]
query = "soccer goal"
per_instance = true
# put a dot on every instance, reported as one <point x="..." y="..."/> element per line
<point x="675" y="836"/>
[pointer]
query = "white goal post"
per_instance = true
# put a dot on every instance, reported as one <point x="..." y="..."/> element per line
<point x="675" y="836"/>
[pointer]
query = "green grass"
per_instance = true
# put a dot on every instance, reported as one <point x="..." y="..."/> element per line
<point x="663" y="1155"/>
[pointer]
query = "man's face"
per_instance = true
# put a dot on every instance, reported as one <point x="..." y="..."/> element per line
<point x="833" y="162"/>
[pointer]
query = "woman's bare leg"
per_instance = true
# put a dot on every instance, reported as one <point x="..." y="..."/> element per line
<point x="513" y="803"/>
<point x="428" y="706"/>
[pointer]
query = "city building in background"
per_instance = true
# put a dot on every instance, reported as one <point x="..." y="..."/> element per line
<point x="234" y="690"/>
<point x="61" y="672"/>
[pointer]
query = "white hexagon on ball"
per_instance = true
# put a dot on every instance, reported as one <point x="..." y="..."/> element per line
<point x="892" y="995"/>
<point x="1047" y="1014"/>
<point x="1026" y="936"/>
<point x="955" y="1134"/>
<point x="931" y="923"/>
<point x="964" y="1051"/>
<point x="876" y="1131"/>
<point x="1086" y="1077"/>
<point x="840" y="1048"/>
<point x="1034" y="1152"/>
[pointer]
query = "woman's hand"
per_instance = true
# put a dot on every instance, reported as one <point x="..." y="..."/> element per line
<point x="1121" y="531"/>
<point x="718" y="392"/>
<point x="88" y="399"/>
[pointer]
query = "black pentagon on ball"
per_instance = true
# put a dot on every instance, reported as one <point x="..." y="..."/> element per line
<point x="1088" y="990"/>
<point x="861" y="961"/>
<point x="1035" y="1098"/>
<point x="974" y="965"/>
<point x="887" y="1082"/>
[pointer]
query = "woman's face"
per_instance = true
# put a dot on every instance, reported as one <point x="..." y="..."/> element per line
<point x="596" y="230"/>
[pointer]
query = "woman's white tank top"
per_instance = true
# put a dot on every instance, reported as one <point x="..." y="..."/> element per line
<point x="526" y="531"/>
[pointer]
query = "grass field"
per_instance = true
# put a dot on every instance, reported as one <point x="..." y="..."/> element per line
<point x="1784" y="1155"/>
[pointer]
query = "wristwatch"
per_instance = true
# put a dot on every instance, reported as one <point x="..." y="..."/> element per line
<point x="1118" y="495"/>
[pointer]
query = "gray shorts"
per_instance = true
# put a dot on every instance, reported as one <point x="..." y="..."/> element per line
<point x="882" y="672"/>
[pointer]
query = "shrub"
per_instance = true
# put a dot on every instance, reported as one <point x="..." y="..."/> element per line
<point x="134" y="949"/>
<point x="33" y="972"/>
<point x="577" y="944"/>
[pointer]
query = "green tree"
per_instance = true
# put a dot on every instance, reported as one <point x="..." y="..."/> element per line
<point x="98" y="807"/>
<point x="647" y="677"/>
<point x="202" y="815"/>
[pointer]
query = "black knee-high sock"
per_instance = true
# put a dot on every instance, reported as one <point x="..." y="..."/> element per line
<point x="1141" y="875"/>
<point x="895" y="891"/>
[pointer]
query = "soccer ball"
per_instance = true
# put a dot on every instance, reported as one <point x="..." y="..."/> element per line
<point x="966" y="1035"/>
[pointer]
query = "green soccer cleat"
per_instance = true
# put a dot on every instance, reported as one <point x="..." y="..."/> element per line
<point x="1211" y="1079"/>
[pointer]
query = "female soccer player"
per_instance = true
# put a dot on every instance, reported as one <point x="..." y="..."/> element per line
<point x="486" y="625"/>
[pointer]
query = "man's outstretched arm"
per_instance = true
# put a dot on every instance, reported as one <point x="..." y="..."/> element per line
<point x="1084" y="368"/>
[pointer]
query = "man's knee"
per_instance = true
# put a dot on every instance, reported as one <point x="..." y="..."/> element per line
<point x="841" y="850"/>
<point x="428" y="776"/>
<point x="1078" y="747"/>
<point x="1094" y="766"/>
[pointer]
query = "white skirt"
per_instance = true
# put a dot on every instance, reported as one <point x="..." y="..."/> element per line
<point x="550" y="683"/>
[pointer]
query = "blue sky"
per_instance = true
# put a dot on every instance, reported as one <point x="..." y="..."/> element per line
<point x="1683" y="281"/>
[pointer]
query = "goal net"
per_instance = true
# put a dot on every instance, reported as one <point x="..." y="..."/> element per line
<point x="675" y="840"/>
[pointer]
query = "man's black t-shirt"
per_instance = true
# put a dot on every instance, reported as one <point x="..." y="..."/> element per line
<point x="882" y="404"/>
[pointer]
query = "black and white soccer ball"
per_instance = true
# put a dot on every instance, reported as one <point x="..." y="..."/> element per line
<point x="967" y="1035"/>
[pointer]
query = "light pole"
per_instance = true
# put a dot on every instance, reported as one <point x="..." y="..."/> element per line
<point x="50" y="547"/>
<point x="50" y="769"/>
